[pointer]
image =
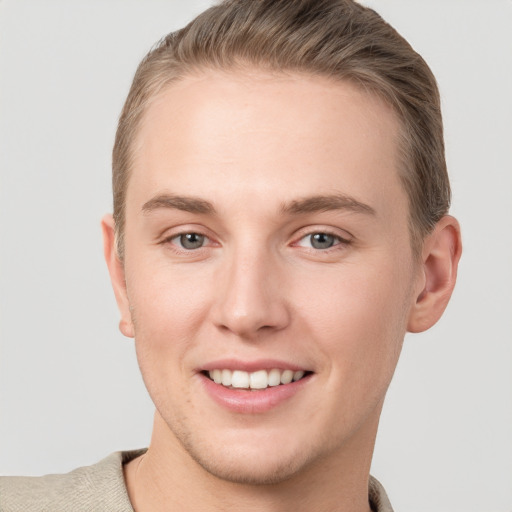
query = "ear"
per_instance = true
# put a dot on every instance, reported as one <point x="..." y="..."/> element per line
<point x="440" y="260"/>
<point x="117" y="277"/>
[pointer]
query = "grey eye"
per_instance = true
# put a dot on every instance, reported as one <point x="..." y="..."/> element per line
<point x="191" y="240"/>
<point x="322" y="240"/>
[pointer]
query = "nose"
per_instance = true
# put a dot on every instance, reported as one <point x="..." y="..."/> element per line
<point x="251" y="298"/>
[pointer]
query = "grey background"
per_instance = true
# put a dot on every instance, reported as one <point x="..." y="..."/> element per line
<point x="70" y="391"/>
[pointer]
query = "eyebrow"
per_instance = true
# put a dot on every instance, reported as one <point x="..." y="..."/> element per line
<point x="300" y="206"/>
<point x="183" y="203"/>
<point x="326" y="203"/>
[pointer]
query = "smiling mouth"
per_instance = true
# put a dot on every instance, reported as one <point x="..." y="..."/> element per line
<point x="258" y="380"/>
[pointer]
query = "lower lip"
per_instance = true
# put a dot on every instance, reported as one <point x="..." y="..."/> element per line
<point x="252" y="402"/>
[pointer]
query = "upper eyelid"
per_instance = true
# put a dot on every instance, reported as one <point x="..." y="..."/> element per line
<point x="184" y="249"/>
<point x="343" y="242"/>
<point x="312" y="230"/>
<point x="169" y="236"/>
<point x="181" y="233"/>
<point x="338" y="237"/>
<point x="176" y="231"/>
<point x="178" y="249"/>
<point x="189" y="232"/>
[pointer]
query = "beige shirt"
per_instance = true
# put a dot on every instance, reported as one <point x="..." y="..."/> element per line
<point x="98" y="488"/>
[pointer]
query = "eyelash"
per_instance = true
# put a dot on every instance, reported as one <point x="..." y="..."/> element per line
<point x="338" y="244"/>
<point x="179" y="248"/>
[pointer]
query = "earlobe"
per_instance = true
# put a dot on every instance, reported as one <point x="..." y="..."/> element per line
<point x="440" y="259"/>
<point x="117" y="276"/>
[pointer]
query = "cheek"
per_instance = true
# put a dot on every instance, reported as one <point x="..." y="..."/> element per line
<point x="167" y="313"/>
<point x="168" y="310"/>
<point x="360" y="316"/>
<point x="166" y="297"/>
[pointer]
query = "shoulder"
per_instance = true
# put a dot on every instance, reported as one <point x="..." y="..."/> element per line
<point x="97" y="488"/>
<point x="379" y="500"/>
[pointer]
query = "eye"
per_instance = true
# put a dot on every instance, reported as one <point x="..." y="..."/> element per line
<point x="320" y="241"/>
<point x="189" y="241"/>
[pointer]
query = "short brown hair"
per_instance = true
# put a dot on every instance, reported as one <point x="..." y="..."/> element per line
<point x="339" y="39"/>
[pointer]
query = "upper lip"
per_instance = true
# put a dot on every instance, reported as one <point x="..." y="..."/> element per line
<point x="250" y="366"/>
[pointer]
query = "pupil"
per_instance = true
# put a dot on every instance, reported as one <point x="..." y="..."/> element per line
<point x="191" y="240"/>
<point x="322" y="240"/>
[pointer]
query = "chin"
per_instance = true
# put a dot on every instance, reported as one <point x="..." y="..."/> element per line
<point x="259" y="460"/>
<point x="257" y="471"/>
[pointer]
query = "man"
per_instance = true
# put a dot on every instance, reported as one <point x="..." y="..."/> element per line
<point x="280" y="221"/>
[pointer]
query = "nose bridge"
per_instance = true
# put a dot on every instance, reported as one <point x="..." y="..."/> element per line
<point x="251" y="297"/>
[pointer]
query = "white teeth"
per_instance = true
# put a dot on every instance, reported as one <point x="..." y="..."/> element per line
<point x="226" y="377"/>
<point x="274" y="377"/>
<point x="298" y="375"/>
<point x="260" y="379"/>
<point x="286" y="377"/>
<point x="217" y="376"/>
<point x="240" y="379"/>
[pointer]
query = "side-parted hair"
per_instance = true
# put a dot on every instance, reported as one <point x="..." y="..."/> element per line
<point x="338" y="39"/>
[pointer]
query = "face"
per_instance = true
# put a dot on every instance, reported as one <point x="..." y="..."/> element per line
<point x="268" y="268"/>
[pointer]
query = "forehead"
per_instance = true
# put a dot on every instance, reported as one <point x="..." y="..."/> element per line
<point x="219" y="131"/>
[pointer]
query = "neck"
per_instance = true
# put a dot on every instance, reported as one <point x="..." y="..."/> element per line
<point x="167" y="478"/>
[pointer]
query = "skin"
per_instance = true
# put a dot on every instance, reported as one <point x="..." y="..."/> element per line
<point x="256" y="146"/>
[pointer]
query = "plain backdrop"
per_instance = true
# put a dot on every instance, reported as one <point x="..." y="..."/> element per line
<point x="70" y="390"/>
